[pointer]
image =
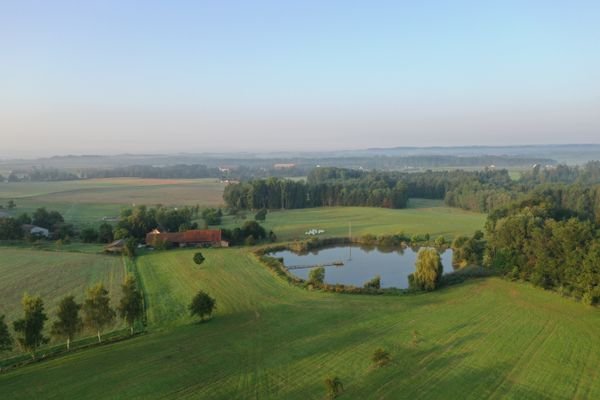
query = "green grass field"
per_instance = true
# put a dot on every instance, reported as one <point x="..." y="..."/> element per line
<point x="421" y="216"/>
<point x="53" y="275"/>
<point x="268" y="340"/>
<point x="87" y="201"/>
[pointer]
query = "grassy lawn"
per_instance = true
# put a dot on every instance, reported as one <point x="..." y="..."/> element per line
<point x="422" y="216"/>
<point x="87" y="201"/>
<point x="53" y="275"/>
<point x="483" y="339"/>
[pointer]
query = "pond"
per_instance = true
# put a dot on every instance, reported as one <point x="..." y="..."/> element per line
<point x="360" y="264"/>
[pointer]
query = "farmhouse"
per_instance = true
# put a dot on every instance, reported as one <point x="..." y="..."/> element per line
<point x="36" y="230"/>
<point x="196" y="237"/>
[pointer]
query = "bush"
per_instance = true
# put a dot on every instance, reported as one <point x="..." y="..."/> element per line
<point x="261" y="215"/>
<point x="374" y="283"/>
<point x="198" y="258"/>
<point x="316" y="276"/>
<point x="380" y="358"/>
<point x="333" y="387"/>
<point x="89" y="235"/>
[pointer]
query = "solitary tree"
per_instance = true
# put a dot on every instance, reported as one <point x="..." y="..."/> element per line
<point x="202" y="304"/>
<point x="428" y="269"/>
<point x="97" y="310"/>
<point x="198" y="258"/>
<point x="5" y="338"/>
<point x="334" y="387"/>
<point x="131" y="307"/>
<point x="69" y="322"/>
<point x="30" y="327"/>
<point x="11" y="204"/>
<point x="316" y="276"/>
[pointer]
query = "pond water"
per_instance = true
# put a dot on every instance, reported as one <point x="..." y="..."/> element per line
<point x="360" y="264"/>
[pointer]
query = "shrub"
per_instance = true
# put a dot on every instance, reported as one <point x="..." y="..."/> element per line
<point x="333" y="387"/>
<point x="374" y="283"/>
<point x="380" y="358"/>
<point x="261" y="215"/>
<point x="316" y="276"/>
<point x="198" y="258"/>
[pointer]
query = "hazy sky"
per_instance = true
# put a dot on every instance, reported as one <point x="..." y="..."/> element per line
<point x="164" y="76"/>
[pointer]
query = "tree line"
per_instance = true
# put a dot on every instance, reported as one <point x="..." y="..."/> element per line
<point x="275" y="193"/>
<point x="346" y="187"/>
<point x="94" y="313"/>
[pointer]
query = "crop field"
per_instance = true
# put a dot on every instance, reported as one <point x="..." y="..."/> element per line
<point x="88" y="201"/>
<point x="53" y="275"/>
<point x="487" y="338"/>
<point x="422" y="216"/>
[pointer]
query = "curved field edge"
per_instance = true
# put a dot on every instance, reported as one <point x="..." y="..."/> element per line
<point x="483" y="339"/>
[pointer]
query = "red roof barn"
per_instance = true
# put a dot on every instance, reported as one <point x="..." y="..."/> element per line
<point x="195" y="237"/>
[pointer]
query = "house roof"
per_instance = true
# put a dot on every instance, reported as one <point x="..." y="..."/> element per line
<point x="117" y="243"/>
<point x="193" y="236"/>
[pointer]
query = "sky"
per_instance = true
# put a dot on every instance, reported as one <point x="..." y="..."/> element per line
<point x="106" y="77"/>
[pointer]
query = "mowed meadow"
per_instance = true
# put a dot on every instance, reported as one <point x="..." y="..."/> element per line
<point x="487" y="338"/>
<point x="420" y="217"/>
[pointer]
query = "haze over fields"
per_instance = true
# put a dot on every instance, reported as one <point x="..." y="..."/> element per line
<point x="121" y="76"/>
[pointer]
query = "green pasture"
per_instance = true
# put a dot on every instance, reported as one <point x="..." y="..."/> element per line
<point x="53" y="275"/>
<point x="486" y="338"/>
<point x="422" y="216"/>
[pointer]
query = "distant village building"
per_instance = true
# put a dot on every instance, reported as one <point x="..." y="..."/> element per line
<point x="283" y="166"/>
<point x="194" y="238"/>
<point x="36" y="230"/>
<point x="4" y="215"/>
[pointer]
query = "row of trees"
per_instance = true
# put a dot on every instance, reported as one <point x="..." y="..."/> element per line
<point x="12" y="228"/>
<point x="477" y="190"/>
<point x="136" y="222"/>
<point x="97" y="314"/>
<point x="274" y="193"/>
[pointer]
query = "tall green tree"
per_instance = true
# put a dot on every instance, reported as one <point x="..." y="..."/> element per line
<point x="97" y="311"/>
<point x="68" y="322"/>
<point x="202" y="305"/>
<point x="30" y="327"/>
<point x="428" y="269"/>
<point x="131" y="307"/>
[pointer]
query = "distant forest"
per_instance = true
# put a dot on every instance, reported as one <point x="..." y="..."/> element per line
<point x="252" y="168"/>
<point x="575" y="188"/>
